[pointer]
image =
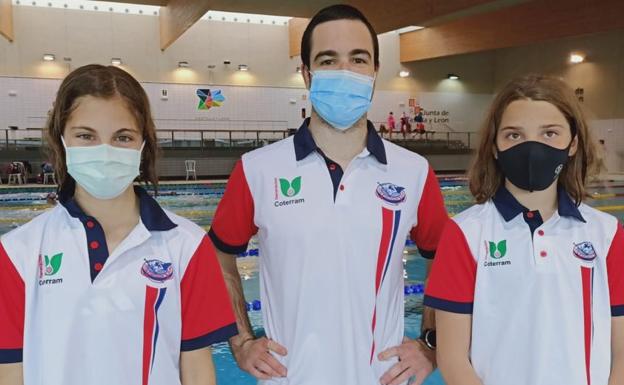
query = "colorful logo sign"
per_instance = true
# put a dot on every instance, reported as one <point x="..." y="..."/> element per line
<point x="498" y="250"/>
<point x="391" y="193"/>
<point x="584" y="251"/>
<point x="290" y="188"/>
<point x="157" y="271"/>
<point x="209" y="99"/>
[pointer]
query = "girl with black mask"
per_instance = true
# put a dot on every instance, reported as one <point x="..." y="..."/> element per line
<point x="528" y="284"/>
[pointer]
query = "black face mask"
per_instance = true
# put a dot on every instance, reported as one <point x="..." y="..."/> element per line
<point x="532" y="166"/>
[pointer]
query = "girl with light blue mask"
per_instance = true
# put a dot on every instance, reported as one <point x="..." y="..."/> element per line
<point x="131" y="257"/>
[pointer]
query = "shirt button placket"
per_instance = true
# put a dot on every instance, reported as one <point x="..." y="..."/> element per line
<point x="540" y="249"/>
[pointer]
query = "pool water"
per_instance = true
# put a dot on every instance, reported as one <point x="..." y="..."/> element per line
<point x="198" y="202"/>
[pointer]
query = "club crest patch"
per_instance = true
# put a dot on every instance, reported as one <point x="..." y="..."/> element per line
<point x="391" y="193"/>
<point x="157" y="271"/>
<point x="584" y="251"/>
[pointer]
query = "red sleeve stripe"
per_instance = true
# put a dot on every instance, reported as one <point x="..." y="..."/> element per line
<point x="207" y="313"/>
<point x="432" y="217"/>
<point x="12" y="303"/>
<point x="615" y="272"/>
<point x="150" y="330"/>
<point x="452" y="278"/>
<point x="587" y="277"/>
<point x="233" y="223"/>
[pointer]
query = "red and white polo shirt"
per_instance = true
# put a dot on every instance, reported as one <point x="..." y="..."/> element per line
<point x="75" y="315"/>
<point x="541" y="294"/>
<point x="331" y="244"/>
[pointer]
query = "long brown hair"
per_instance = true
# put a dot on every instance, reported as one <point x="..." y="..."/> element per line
<point x="486" y="177"/>
<point x="102" y="82"/>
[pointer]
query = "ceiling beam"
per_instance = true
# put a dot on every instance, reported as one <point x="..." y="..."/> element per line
<point x="523" y="24"/>
<point x="389" y="15"/>
<point x="6" y="20"/>
<point x="394" y="14"/>
<point x="296" y="28"/>
<point x="160" y="3"/>
<point x="177" y="17"/>
<point x="292" y="8"/>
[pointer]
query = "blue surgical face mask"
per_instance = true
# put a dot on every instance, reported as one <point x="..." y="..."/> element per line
<point x="104" y="171"/>
<point x="341" y="97"/>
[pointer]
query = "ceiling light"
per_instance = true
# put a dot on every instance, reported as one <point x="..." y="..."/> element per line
<point x="243" y="67"/>
<point x="410" y="28"/>
<point x="48" y="57"/>
<point x="453" y="77"/>
<point x="116" y="61"/>
<point x="404" y="73"/>
<point x="183" y="64"/>
<point x="576" y="58"/>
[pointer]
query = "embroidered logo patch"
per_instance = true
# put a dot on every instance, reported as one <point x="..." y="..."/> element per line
<point x="584" y="251"/>
<point x="290" y="188"/>
<point x="157" y="271"/>
<point x="391" y="193"/>
<point x="498" y="250"/>
<point x="53" y="264"/>
<point x="48" y="268"/>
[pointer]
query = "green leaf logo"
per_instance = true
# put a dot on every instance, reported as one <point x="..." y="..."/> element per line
<point x="53" y="265"/>
<point x="292" y="188"/>
<point x="492" y="249"/>
<point x="499" y="250"/>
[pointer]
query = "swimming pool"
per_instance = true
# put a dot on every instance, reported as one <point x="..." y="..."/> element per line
<point x="198" y="202"/>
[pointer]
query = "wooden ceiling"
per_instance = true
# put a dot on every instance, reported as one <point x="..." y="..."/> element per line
<point x="453" y="26"/>
<point x="385" y="15"/>
<point x="177" y="16"/>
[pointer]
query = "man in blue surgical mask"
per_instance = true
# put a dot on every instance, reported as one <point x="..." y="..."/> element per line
<point x="331" y="207"/>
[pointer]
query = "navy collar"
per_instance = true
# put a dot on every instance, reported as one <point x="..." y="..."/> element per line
<point x="305" y="145"/>
<point x="509" y="207"/>
<point x="153" y="216"/>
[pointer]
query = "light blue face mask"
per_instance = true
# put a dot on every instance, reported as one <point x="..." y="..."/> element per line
<point x="103" y="171"/>
<point x="341" y="97"/>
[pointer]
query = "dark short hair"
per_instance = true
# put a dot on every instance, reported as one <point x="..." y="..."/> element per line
<point x="332" y="13"/>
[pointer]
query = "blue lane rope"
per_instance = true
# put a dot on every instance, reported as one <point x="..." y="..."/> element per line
<point x="408" y="290"/>
<point x="256" y="252"/>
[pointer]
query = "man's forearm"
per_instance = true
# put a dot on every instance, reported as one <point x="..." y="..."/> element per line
<point x="428" y="316"/>
<point x="459" y="374"/>
<point x="11" y="374"/>
<point x="237" y="296"/>
<point x="617" y="351"/>
<point x="197" y="367"/>
<point x="617" y="376"/>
